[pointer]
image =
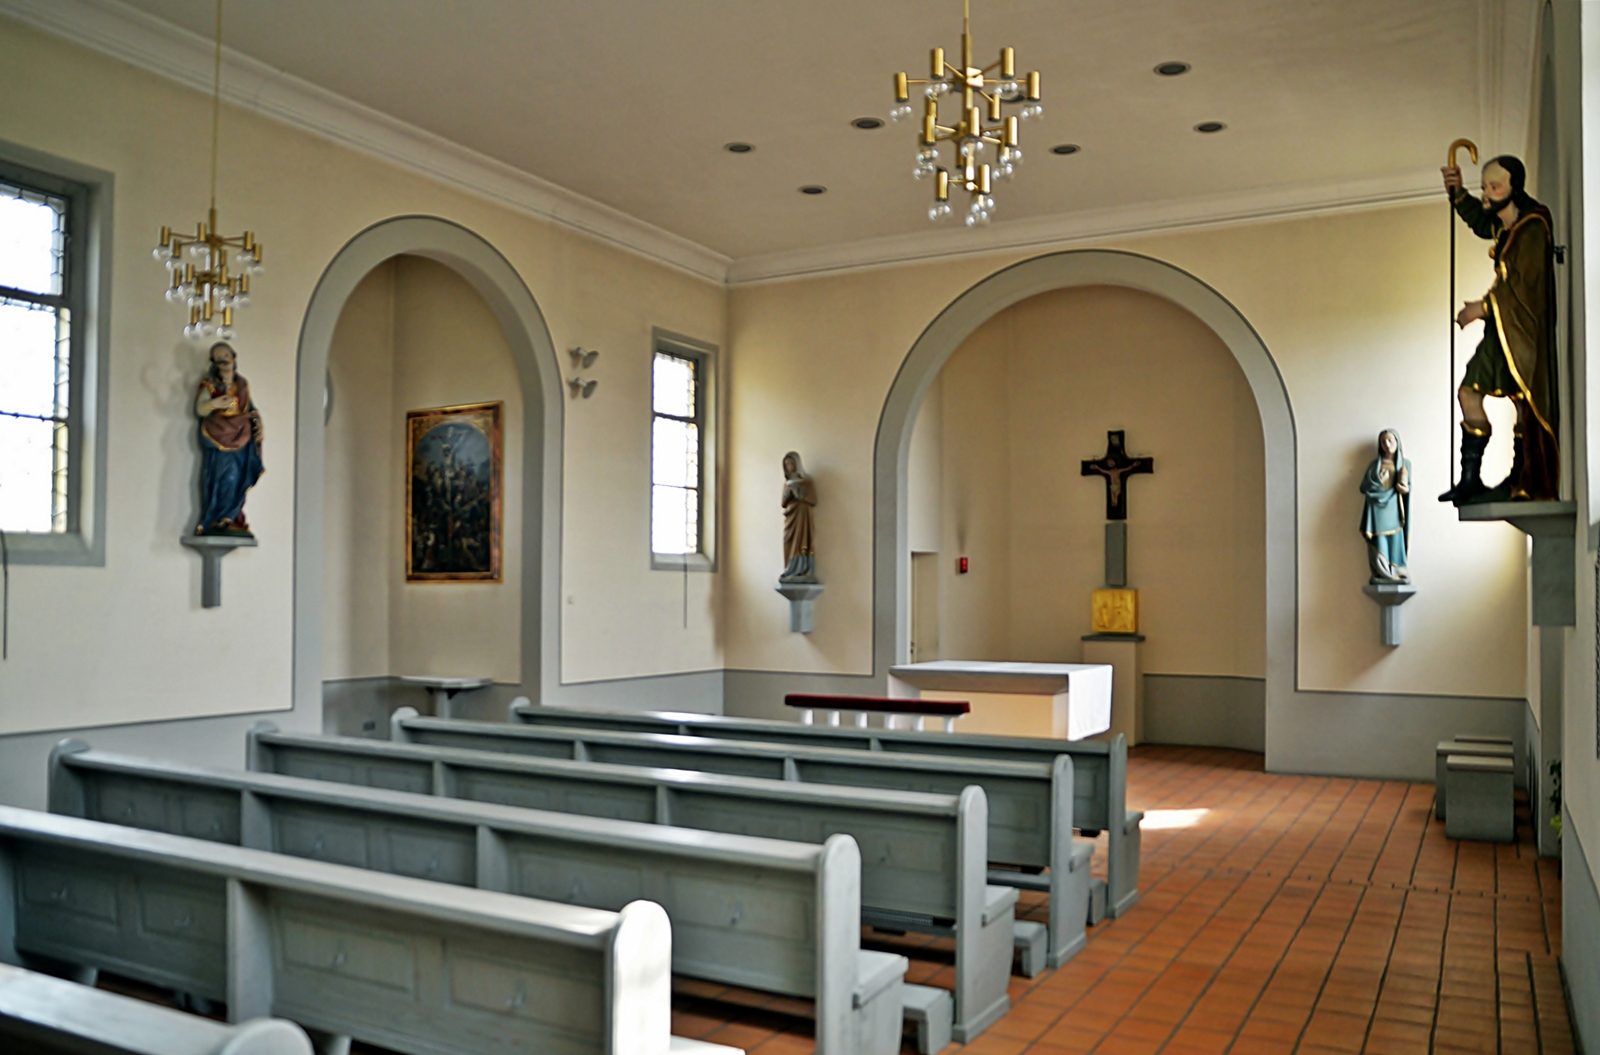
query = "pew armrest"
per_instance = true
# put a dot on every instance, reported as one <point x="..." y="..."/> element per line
<point x="931" y="1010"/>
<point x="878" y="1003"/>
<point x="875" y="972"/>
<point x="688" y="1046"/>
<point x="998" y="901"/>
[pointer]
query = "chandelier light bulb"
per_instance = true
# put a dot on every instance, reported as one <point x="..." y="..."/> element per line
<point x="161" y="252"/>
<point x="992" y="99"/>
<point x="177" y="295"/>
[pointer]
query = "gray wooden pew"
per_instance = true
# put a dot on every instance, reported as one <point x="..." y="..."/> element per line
<point x="415" y="966"/>
<point x="43" y="1015"/>
<point x="1100" y="767"/>
<point x="760" y="913"/>
<point x="922" y="855"/>
<point x="1031" y="804"/>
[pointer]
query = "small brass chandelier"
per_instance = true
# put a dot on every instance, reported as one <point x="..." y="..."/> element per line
<point x="982" y="123"/>
<point x="198" y="263"/>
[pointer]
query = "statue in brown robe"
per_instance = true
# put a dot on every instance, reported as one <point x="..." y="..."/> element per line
<point x="799" y="496"/>
<point x="1517" y="357"/>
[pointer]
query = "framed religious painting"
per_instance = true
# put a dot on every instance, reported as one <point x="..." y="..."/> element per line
<point x="453" y="489"/>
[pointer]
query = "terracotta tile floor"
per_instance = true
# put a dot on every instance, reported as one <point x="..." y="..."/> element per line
<point x="1279" y="914"/>
<point x="1291" y="914"/>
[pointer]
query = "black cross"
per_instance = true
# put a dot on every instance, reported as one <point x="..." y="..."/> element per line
<point x="1116" y="467"/>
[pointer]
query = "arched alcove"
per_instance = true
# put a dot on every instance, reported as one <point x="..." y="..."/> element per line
<point x="513" y="306"/>
<point x="958" y="321"/>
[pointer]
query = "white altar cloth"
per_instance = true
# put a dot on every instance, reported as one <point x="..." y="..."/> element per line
<point x="1067" y="701"/>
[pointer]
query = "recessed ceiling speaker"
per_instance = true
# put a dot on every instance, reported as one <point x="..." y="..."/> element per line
<point x="1172" y="69"/>
<point x="737" y="148"/>
<point x="1065" y="148"/>
<point x="867" y="124"/>
<point x="1208" y="127"/>
<point x="813" y="188"/>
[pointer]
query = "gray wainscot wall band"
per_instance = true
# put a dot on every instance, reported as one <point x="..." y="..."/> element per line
<point x="1580" y="940"/>
<point x="1200" y="710"/>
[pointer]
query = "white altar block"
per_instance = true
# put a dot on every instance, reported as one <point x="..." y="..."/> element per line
<point x="1067" y="701"/>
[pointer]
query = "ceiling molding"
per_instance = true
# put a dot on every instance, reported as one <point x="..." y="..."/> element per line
<point x="159" y="47"/>
<point x="1506" y="40"/>
<point x="1066" y="230"/>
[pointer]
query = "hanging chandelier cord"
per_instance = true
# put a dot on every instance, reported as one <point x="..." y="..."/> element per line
<point x="216" y="106"/>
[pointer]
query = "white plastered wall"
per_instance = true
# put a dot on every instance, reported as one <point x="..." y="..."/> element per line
<point x="1024" y="400"/>
<point x="129" y="642"/>
<point x="413" y="336"/>
<point x="1351" y="308"/>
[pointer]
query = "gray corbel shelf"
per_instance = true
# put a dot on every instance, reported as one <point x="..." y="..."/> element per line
<point x="1552" y="526"/>
<point x="212" y="548"/>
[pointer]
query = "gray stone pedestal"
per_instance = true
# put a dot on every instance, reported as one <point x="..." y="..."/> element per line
<point x="1120" y="652"/>
<point x="1390" y="596"/>
<point x="212" y="548"/>
<point x="800" y="595"/>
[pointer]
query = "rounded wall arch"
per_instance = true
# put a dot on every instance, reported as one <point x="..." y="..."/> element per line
<point x="1087" y="267"/>
<point x="518" y="314"/>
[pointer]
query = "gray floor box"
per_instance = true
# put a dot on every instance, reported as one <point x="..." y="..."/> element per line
<point x="1482" y="798"/>
<point x="1470" y="746"/>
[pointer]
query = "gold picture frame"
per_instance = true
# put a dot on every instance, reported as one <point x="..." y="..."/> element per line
<point x="453" y="494"/>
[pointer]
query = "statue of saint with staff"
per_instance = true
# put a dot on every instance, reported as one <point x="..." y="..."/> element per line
<point x="1516" y="359"/>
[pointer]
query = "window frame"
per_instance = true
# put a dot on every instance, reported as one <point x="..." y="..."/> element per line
<point x="86" y="283"/>
<point x="704" y="357"/>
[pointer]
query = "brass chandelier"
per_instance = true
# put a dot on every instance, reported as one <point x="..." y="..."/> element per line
<point x="985" y="93"/>
<point x="198" y="263"/>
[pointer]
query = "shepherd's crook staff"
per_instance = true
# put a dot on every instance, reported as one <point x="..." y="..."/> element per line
<point x="1450" y="419"/>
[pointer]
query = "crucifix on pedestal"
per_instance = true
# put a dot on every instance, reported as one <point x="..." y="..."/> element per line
<point x="1116" y="466"/>
<point x="1115" y="640"/>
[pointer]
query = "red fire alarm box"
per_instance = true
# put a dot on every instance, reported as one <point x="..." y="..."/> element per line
<point x="961" y="565"/>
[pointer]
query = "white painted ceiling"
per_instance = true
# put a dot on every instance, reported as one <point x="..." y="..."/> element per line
<point x="630" y="101"/>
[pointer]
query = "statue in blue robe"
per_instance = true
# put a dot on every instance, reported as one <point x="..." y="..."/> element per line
<point x="230" y="446"/>
<point x="1386" y="521"/>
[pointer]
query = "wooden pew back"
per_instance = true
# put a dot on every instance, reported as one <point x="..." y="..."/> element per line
<point x="923" y="856"/>
<point x="42" y="1015"/>
<point x="755" y="912"/>
<point x="408" y="964"/>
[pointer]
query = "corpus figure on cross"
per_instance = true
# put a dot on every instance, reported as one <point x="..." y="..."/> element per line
<point x="1116" y="466"/>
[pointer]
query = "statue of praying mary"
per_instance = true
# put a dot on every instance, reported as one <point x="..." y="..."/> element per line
<point x="230" y="445"/>
<point x="799" y="496"/>
<point x="1386" y="522"/>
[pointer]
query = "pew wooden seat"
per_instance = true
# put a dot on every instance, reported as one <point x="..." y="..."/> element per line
<point x="44" y="1015"/>
<point x="415" y="966"/>
<point x="922" y="855"/>
<point x="754" y="912"/>
<point x="1100" y="769"/>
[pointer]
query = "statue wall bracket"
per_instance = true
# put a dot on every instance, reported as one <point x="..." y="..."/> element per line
<point x="1553" y="528"/>
<point x="212" y="548"/>
<point x="1390" y="596"/>
<point x="800" y="595"/>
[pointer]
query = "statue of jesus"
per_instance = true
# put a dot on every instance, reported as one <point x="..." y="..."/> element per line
<point x="230" y="445"/>
<point x="799" y="496"/>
